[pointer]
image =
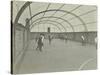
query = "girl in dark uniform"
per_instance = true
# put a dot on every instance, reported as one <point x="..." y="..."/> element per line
<point x="40" y="43"/>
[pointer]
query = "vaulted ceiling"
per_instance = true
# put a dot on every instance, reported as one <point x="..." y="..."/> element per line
<point x="59" y="17"/>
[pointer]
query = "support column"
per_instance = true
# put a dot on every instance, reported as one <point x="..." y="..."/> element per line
<point x="27" y="26"/>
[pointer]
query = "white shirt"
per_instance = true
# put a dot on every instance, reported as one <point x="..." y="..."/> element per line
<point x="42" y="37"/>
<point x="95" y="39"/>
<point x="82" y="37"/>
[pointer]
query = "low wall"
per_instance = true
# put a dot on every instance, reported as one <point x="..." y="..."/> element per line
<point x="75" y="36"/>
<point x="89" y="36"/>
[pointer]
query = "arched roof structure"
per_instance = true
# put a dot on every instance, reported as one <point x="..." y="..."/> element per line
<point x="70" y="17"/>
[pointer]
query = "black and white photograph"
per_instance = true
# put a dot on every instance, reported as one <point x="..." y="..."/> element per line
<point x="53" y="37"/>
